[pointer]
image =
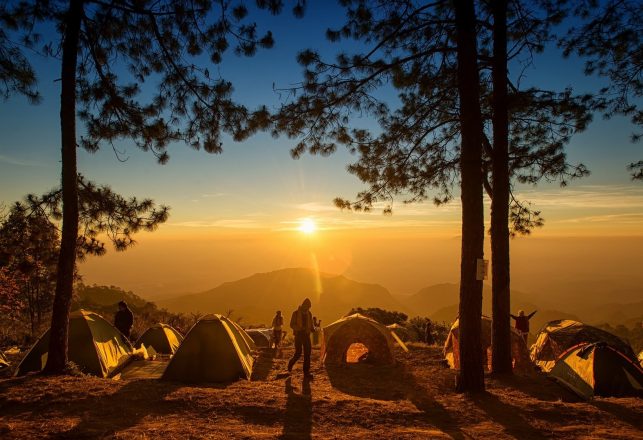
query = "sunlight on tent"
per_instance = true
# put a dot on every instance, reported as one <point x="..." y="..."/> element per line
<point x="356" y="353"/>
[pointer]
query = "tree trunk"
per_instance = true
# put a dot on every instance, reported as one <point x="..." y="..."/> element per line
<point x="57" y="358"/>
<point x="500" y="291"/>
<point x="471" y="375"/>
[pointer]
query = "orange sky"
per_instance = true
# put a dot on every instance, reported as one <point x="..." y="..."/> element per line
<point x="398" y="252"/>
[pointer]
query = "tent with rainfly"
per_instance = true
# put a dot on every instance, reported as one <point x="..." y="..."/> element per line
<point x="260" y="336"/>
<point x="95" y="346"/>
<point x="598" y="369"/>
<point x="214" y="350"/>
<point x="519" y="352"/>
<point x="163" y="338"/>
<point x="357" y="328"/>
<point x="558" y="336"/>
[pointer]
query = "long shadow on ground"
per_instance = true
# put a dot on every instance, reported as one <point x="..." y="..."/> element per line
<point x="298" y="420"/>
<point x="535" y="385"/>
<point x="374" y="382"/>
<point x="263" y="365"/>
<point x="513" y="419"/>
<point x="123" y="409"/>
<point x="621" y="412"/>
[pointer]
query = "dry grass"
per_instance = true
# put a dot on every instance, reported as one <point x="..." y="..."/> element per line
<point x="414" y="399"/>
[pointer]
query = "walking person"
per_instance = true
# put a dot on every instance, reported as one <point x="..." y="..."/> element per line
<point x="301" y="323"/>
<point x="522" y="323"/>
<point x="124" y="319"/>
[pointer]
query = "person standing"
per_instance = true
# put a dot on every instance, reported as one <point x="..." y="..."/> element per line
<point x="428" y="333"/>
<point x="522" y="323"/>
<point x="301" y="323"/>
<point x="277" y="329"/>
<point x="124" y="319"/>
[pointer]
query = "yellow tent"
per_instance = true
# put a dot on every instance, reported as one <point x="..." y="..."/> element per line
<point x="558" y="336"/>
<point x="162" y="338"/>
<point x="94" y="345"/>
<point x="519" y="352"/>
<point x="598" y="370"/>
<point x="239" y="332"/>
<point x="214" y="350"/>
<point x="260" y="336"/>
<point x="341" y="334"/>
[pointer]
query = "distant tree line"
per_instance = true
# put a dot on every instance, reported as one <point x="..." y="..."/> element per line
<point x="16" y="329"/>
<point x="413" y="329"/>
<point x="30" y="247"/>
<point x="632" y="335"/>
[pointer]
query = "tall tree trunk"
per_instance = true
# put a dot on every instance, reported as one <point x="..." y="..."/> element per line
<point x="500" y="290"/>
<point x="57" y="358"/>
<point x="471" y="375"/>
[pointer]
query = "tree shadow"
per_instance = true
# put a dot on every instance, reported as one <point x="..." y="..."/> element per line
<point x="125" y="408"/>
<point x="535" y="385"/>
<point x="621" y="412"/>
<point x="374" y="382"/>
<point x="514" y="420"/>
<point x="263" y="365"/>
<point x="367" y="380"/>
<point x="298" y="420"/>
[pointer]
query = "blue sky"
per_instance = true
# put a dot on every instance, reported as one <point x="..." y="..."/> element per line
<point x="256" y="183"/>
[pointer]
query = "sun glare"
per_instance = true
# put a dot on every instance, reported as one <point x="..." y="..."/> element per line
<point x="307" y="226"/>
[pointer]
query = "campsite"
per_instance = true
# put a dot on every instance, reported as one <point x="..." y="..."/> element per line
<point x="395" y="219"/>
<point x="414" y="399"/>
<point x="218" y="383"/>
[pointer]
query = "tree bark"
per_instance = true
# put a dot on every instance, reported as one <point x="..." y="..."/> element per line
<point x="471" y="375"/>
<point x="500" y="290"/>
<point x="58" y="342"/>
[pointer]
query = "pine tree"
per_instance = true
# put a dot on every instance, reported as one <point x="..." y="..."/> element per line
<point x="501" y="362"/>
<point x="608" y="36"/>
<point x="416" y="155"/>
<point x="113" y="54"/>
<point x="471" y="374"/>
<point x="16" y="73"/>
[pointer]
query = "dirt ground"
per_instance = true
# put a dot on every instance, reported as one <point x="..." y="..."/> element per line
<point x="412" y="400"/>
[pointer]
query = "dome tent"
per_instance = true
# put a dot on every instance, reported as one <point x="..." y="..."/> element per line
<point x="214" y="350"/>
<point x="341" y="334"/>
<point x="239" y="332"/>
<point x="598" y="369"/>
<point x="95" y="345"/>
<point x="558" y="336"/>
<point x="519" y="352"/>
<point x="162" y="338"/>
<point x="261" y="337"/>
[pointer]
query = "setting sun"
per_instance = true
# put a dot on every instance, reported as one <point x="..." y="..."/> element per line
<point x="307" y="226"/>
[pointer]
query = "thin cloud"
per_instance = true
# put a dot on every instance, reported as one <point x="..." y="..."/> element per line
<point x="634" y="218"/>
<point x="337" y="223"/>
<point x="20" y="162"/>
<point x="591" y="197"/>
<point x="213" y="195"/>
<point x="223" y="223"/>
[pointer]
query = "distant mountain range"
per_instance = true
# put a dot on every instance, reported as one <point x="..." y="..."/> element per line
<point x="254" y="300"/>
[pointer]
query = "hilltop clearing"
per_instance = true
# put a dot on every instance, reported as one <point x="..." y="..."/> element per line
<point x="414" y="399"/>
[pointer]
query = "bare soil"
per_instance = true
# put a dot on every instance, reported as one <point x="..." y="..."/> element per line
<point x="411" y="400"/>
